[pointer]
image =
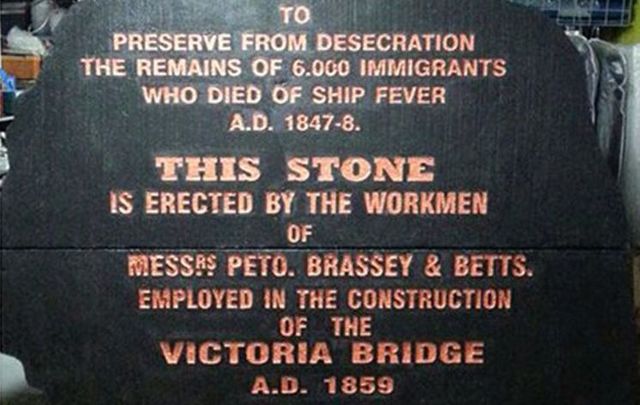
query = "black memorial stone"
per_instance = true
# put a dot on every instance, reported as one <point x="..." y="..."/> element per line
<point x="517" y="181"/>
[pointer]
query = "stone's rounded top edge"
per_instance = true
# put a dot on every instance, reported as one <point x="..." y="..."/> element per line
<point x="601" y="224"/>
